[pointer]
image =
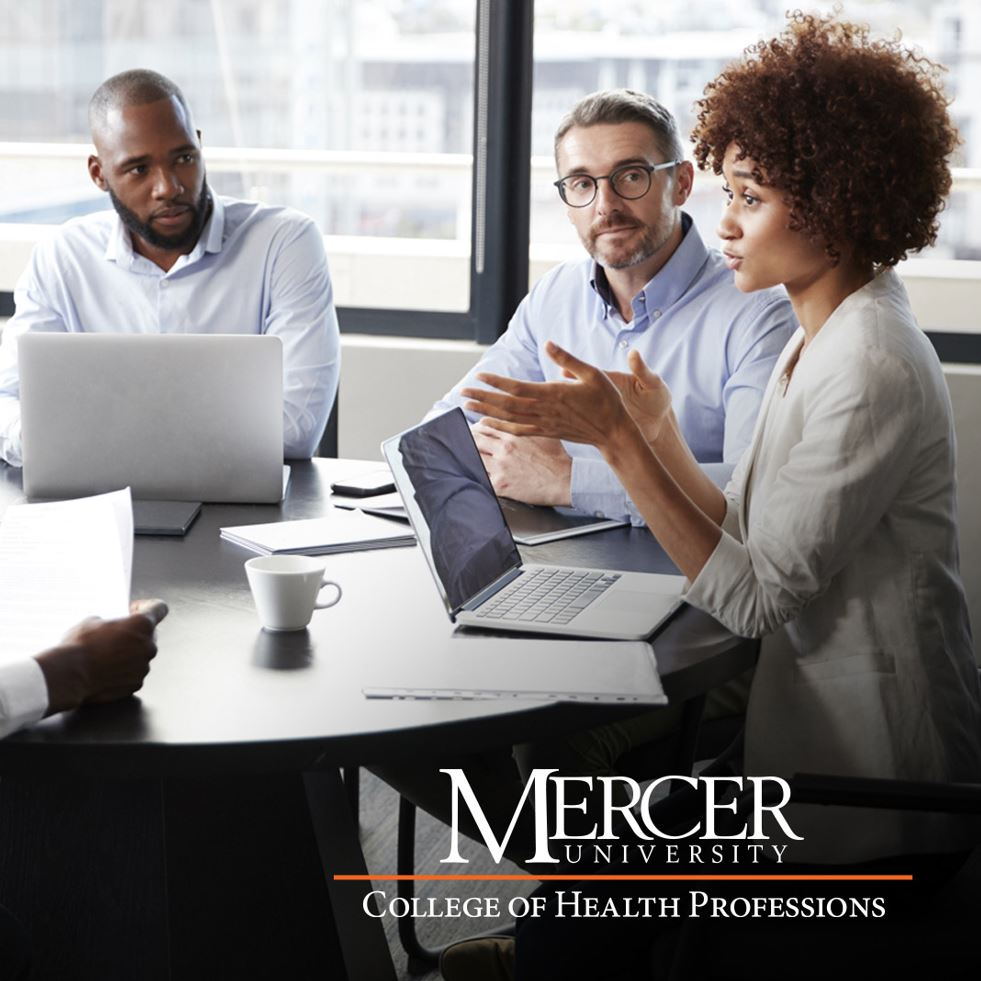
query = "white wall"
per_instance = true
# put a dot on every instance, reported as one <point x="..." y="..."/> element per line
<point x="389" y="383"/>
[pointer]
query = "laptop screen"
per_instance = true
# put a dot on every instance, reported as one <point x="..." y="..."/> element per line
<point x="453" y="508"/>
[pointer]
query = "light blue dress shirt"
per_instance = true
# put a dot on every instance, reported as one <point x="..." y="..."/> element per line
<point x="713" y="345"/>
<point x="254" y="270"/>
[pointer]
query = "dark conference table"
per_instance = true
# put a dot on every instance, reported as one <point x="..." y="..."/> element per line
<point x="193" y="831"/>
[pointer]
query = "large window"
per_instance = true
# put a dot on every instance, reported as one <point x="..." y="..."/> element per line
<point x="358" y="112"/>
<point x="673" y="49"/>
<point x="408" y="128"/>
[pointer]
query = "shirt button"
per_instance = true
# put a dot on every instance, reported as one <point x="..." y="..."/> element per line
<point x="624" y="345"/>
<point x="163" y="284"/>
<point x="657" y="313"/>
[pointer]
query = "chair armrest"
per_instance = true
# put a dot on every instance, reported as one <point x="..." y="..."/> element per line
<point x="911" y="795"/>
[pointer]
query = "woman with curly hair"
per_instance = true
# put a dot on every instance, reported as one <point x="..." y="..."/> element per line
<point x="836" y="538"/>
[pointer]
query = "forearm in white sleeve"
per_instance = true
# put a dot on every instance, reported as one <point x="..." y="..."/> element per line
<point x="10" y="442"/>
<point x="32" y="314"/>
<point x="23" y="695"/>
<point x="302" y="315"/>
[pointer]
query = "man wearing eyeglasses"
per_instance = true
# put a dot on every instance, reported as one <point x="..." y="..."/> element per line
<point x="651" y="284"/>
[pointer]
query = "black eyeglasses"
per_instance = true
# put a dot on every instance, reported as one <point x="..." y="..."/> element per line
<point x="630" y="181"/>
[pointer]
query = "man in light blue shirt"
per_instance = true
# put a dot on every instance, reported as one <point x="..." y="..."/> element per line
<point x="651" y="284"/>
<point x="173" y="258"/>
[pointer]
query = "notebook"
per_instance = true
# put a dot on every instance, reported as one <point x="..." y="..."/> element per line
<point x="337" y="531"/>
<point x="534" y="525"/>
<point x="476" y="565"/>
<point x="529" y="523"/>
<point x="178" y="417"/>
<point x="164" y="517"/>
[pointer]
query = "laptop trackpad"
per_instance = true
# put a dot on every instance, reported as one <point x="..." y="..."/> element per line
<point x="634" y="600"/>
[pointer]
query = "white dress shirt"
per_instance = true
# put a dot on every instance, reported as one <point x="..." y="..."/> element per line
<point x="23" y="695"/>
<point x="254" y="270"/>
<point x="840" y="542"/>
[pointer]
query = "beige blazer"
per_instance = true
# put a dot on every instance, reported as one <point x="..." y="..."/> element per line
<point x="840" y="546"/>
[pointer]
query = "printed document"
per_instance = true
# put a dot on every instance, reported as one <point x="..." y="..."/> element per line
<point x="60" y="563"/>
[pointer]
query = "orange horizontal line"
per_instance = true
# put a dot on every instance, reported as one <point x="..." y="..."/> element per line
<point x="763" y="877"/>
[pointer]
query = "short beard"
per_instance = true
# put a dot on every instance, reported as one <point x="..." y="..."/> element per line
<point x="200" y="210"/>
<point x="654" y="239"/>
<point x="648" y="246"/>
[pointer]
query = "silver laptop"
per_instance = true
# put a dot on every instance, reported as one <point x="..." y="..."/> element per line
<point x="183" y="417"/>
<point x="472" y="555"/>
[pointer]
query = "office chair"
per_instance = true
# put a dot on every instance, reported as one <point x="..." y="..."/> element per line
<point x="329" y="440"/>
<point x="690" y="958"/>
<point x="780" y="951"/>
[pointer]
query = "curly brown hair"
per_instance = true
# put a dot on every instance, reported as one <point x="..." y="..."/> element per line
<point x="854" y="131"/>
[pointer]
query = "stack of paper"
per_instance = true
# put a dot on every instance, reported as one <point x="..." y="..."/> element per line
<point x="61" y="563"/>
<point x="338" y="531"/>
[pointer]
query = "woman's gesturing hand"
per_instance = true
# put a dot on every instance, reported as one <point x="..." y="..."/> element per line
<point x="647" y="398"/>
<point x="586" y="409"/>
<point x="589" y="408"/>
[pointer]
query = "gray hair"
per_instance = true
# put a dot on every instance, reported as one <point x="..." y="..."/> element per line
<point x="136" y="87"/>
<point x="624" y="106"/>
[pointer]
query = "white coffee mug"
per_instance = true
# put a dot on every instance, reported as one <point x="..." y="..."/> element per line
<point x="285" y="589"/>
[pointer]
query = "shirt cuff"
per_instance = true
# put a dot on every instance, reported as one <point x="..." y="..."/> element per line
<point x="595" y="490"/>
<point x="10" y="445"/>
<point x="712" y="589"/>
<point x="23" y="694"/>
<point x="730" y="522"/>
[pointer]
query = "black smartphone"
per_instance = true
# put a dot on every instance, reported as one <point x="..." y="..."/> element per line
<point x="365" y="485"/>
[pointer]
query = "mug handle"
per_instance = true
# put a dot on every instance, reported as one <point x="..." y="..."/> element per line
<point x="334" y="601"/>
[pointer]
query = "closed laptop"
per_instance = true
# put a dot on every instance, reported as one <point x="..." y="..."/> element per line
<point x="182" y="417"/>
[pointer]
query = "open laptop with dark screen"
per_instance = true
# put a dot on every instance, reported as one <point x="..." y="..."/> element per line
<point x="475" y="562"/>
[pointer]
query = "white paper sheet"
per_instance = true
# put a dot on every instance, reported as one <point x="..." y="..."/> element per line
<point x="60" y="563"/>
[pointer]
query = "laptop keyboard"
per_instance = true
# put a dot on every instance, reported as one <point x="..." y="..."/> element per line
<point x="548" y="596"/>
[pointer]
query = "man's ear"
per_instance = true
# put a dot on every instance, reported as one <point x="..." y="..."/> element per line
<point x="95" y="172"/>
<point x="684" y="177"/>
